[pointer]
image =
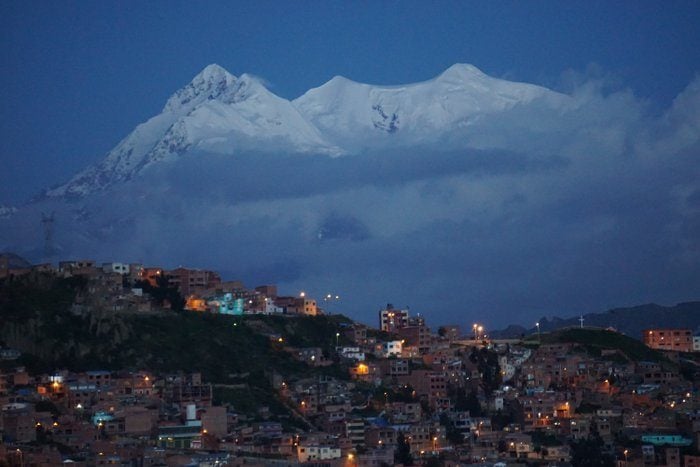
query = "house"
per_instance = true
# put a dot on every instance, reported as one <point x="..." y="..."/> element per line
<point x="391" y="319"/>
<point x="679" y="340"/>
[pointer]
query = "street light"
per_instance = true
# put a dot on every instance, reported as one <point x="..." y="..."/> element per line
<point x="328" y="298"/>
<point x="539" y="336"/>
<point x="337" y="337"/>
<point x="474" y="326"/>
<point x="625" y="452"/>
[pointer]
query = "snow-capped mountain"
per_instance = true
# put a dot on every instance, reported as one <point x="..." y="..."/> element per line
<point x="215" y="112"/>
<point x="357" y="115"/>
<point x="220" y="113"/>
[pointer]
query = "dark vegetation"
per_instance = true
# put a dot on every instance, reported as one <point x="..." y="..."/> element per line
<point x="163" y="294"/>
<point x="53" y="336"/>
<point x="37" y="296"/>
<point x="235" y="353"/>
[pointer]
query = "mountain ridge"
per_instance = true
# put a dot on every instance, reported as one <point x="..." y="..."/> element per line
<point x="627" y="320"/>
<point x="220" y="113"/>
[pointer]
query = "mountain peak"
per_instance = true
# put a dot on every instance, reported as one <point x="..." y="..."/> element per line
<point x="213" y="70"/>
<point x="461" y="71"/>
<point x="209" y="83"/>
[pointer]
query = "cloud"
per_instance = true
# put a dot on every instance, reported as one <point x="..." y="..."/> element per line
<point x="560" y="206"/>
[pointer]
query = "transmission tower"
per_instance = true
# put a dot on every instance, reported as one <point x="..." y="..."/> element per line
<point x="47" y="223"/>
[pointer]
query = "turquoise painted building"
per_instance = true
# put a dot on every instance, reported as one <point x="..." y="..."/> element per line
<point x="228" y="305"/>
<point x="668" y="440"/>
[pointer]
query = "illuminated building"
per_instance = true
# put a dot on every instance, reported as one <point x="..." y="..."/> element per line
<point x="679" y="340"/>
<point x="151" y="275"/>
<point x="391" y="319"/>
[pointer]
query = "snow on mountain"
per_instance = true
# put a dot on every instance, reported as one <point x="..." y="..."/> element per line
<point x="249" y="116"/>
<point x="215" y="112"/>
<point x="210" y="83"/>
<point x="357" y="115"/>
<point x="223" y="114"/>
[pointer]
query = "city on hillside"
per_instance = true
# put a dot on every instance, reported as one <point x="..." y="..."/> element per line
<point x="132" y="365"/>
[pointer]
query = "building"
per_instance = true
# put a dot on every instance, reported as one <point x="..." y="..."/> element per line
<point x="151" y="275"/>
<point x="391" y="319"/>
<point x="18" y="423"/>
<point x="269" y="291"/>
<point x="316" y="452"/>
<point x="296" y="305"/>
<point x="307" y="306"/>
<point x="392" y="348"/>
<point x="416" y="334"/>
<point x="189" y="281"/>
<point x="83" y="267"/>
<point x="117" y="268"/>
<point x="679" y="340"/>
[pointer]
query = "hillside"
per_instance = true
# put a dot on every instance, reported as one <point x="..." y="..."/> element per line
<point x="12" y="260"/>
<point x="594" y="341"/>
<point x="37" y="319"/>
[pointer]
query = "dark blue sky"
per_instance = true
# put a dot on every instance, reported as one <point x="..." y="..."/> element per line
<point x="79" y="76"/>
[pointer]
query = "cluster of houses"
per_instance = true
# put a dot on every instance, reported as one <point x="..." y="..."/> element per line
<point x="119" y="287"/>
<point x="409" y="396"/>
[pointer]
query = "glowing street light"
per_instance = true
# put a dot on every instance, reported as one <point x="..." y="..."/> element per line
<point x="539" y="336"/>
<point x="328" y="298"/>
<point x="337" y="337"/>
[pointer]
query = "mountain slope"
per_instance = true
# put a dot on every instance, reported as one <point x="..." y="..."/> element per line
<point x="356" y="115"/>
<point x="215" y="112"/>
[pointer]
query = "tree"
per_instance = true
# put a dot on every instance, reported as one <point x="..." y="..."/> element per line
<point x="453" y="435"/>
<point x="163" y="293"/>
<point x="402" y="455"/>
<point x="472" y="404"/>
<point x="589" y="453"/>
<point x="487" y="363"/>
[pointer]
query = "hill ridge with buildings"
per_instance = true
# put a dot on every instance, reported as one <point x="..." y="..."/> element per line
<point x="627" y="320"/>
<point x="115" y="371"/>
